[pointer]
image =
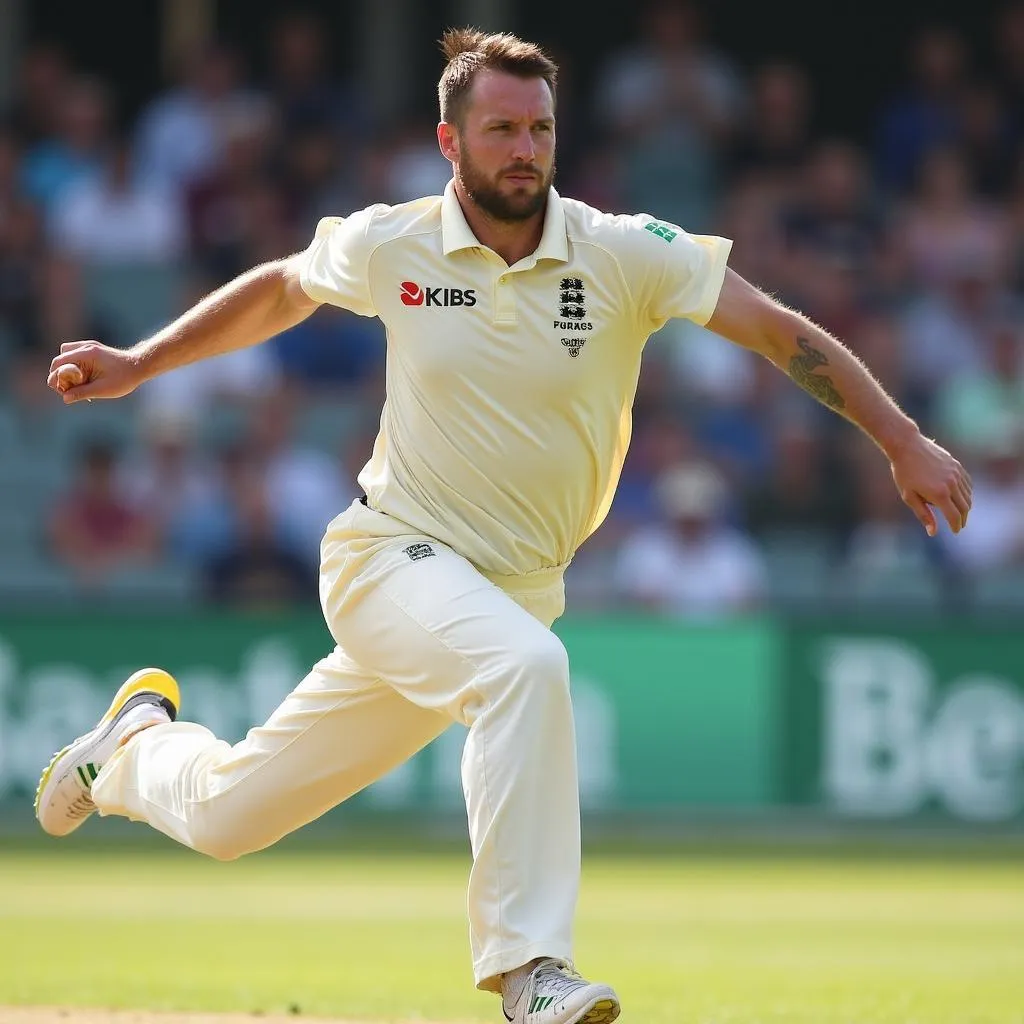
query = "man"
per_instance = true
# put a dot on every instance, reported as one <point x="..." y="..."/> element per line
<point x="515" y="326"/>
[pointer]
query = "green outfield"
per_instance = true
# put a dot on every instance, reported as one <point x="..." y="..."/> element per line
<point x="686" y="939"/>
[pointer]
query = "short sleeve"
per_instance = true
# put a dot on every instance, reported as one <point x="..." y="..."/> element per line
<point x="335" y="267"/>
<point x="671" y="273"/>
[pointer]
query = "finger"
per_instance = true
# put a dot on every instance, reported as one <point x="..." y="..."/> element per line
<point x="73" y="346"/>
<point x="84" y="392"/>
<point x="967" y="494"/>
<point x="950" y="512"/>
<point x="66" y="359"/>
<point x="921" y="509"/>
<point x="962" y="503"/>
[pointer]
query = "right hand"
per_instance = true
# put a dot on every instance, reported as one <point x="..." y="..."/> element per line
<point x="107" y="372"/>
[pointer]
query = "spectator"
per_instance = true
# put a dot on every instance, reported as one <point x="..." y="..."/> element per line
<point x="833" y="216"/>
<point x="830" y="291"/>
<point x="20" y="255"/>
<point x="671" y="104"/>
<point x="945" y="226"/>
<point x="208" y="525"/>
<point x="1014" y="209"/>
<point x="774" y="140"/>
<point x="76" y="150"/>
<point x="257" y="571"/>
<point x="1008" y="61"/>
<point x="986" y="140"/>
<point x="731" y="429"/>
<point x="300" y="83"/>
<point x="180" y="134"/>
<point x="118" y="217"/>
<point x="268" y="228"/>
<point x="332" y="351"/>
<point x="751" y="215"/>
<point x="806" y="488"/>
<point x="695" y="566"/>
<point x="944" y="331"/>
<point x="217" y="200"/>
<point x="924" y="115"/>
<point x="886" y="540"/>
<point x="39" y="92"/>
<point x="996" y="537"/>
<point x="320" y="178"/>
<point x="661" y="440"/>
<point x="671" y="74"/>
<point x="93" y="528"/>
<point x="166" y="479"/>
<point x="303" y="487"/>
<point x="972" y="407"/>
<point x="416" y="167"/>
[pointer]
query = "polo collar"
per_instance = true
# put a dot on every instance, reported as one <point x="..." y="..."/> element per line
<point x="456" y="233"/>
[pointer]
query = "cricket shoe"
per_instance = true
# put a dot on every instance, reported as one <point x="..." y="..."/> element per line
<point x="555" y="994"/>
<point x="64" y="795"/>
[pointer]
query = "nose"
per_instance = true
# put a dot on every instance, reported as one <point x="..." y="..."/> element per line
<point x="523" y="148"/>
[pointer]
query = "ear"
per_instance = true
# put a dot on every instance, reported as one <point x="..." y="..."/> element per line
<point x="448" y="141"/>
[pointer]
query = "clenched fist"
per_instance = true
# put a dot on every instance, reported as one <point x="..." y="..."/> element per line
<point x="88" y="369"/>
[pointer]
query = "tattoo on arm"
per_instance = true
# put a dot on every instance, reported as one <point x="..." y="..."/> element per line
<point x="801" y="369"/>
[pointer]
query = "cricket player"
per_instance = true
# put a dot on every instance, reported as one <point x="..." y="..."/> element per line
<point x="515" y="320"/>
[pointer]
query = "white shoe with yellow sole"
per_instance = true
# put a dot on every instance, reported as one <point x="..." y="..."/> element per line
<point x="64" y="795"/>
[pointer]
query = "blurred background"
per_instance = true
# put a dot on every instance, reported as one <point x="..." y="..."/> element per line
<point x="760" y="632"/>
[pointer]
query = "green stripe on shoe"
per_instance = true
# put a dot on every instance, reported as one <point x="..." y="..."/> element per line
<point x="85" y="778"/>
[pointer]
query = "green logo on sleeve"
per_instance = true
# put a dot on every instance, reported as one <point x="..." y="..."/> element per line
<point x="666" y="231"/>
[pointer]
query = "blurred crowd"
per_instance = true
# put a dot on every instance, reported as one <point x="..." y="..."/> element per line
<point x="739" y="491"/>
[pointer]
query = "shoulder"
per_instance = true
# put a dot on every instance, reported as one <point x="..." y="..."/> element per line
<point x="380" y="223"/>
<point x="627" y="236"/>
<point x="585" y="223"/>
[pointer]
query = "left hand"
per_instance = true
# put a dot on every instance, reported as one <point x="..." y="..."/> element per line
<point x="928" y="477"/>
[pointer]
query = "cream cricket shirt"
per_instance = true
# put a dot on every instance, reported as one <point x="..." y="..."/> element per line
<point x="508" y="388"/>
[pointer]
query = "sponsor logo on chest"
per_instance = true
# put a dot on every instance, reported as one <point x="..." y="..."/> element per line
<point x="413" y="294"/>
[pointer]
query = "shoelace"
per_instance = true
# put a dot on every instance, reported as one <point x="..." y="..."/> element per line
<point x="557" y="978"/>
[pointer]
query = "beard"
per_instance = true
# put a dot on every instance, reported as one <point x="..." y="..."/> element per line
<point x="519" y="205"/>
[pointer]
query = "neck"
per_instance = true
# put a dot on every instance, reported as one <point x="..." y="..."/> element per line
<point x="511" y="240"/>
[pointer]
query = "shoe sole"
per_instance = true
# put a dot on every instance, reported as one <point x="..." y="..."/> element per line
<point x="153" y="681"/>
<point x="604" y="1011"/>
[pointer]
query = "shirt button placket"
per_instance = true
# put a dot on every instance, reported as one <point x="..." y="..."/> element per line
<point x="504" y="299"/>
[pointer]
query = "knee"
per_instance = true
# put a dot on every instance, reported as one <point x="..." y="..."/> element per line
<point x="215" y="834"/>
<point x="543" y="668"/>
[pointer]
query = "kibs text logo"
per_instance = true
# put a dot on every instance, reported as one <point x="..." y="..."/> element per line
<point x="423" y="295"/>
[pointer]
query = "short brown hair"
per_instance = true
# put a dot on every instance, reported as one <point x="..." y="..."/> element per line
<point x="468" y="51"/>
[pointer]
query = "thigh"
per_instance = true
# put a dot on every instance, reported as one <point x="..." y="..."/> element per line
<point x="427" y="622"/>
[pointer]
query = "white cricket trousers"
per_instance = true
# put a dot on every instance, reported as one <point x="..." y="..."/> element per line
<point x="423" y="639"/>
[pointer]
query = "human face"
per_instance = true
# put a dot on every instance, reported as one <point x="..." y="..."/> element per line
<point x="504" y="154"/>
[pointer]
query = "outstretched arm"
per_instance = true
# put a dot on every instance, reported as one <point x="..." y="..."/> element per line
<point x="253" y="307"/>
<point x="924" y="473"/>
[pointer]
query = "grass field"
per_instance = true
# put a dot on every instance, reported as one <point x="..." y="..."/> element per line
<point x="694" y="939"/>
